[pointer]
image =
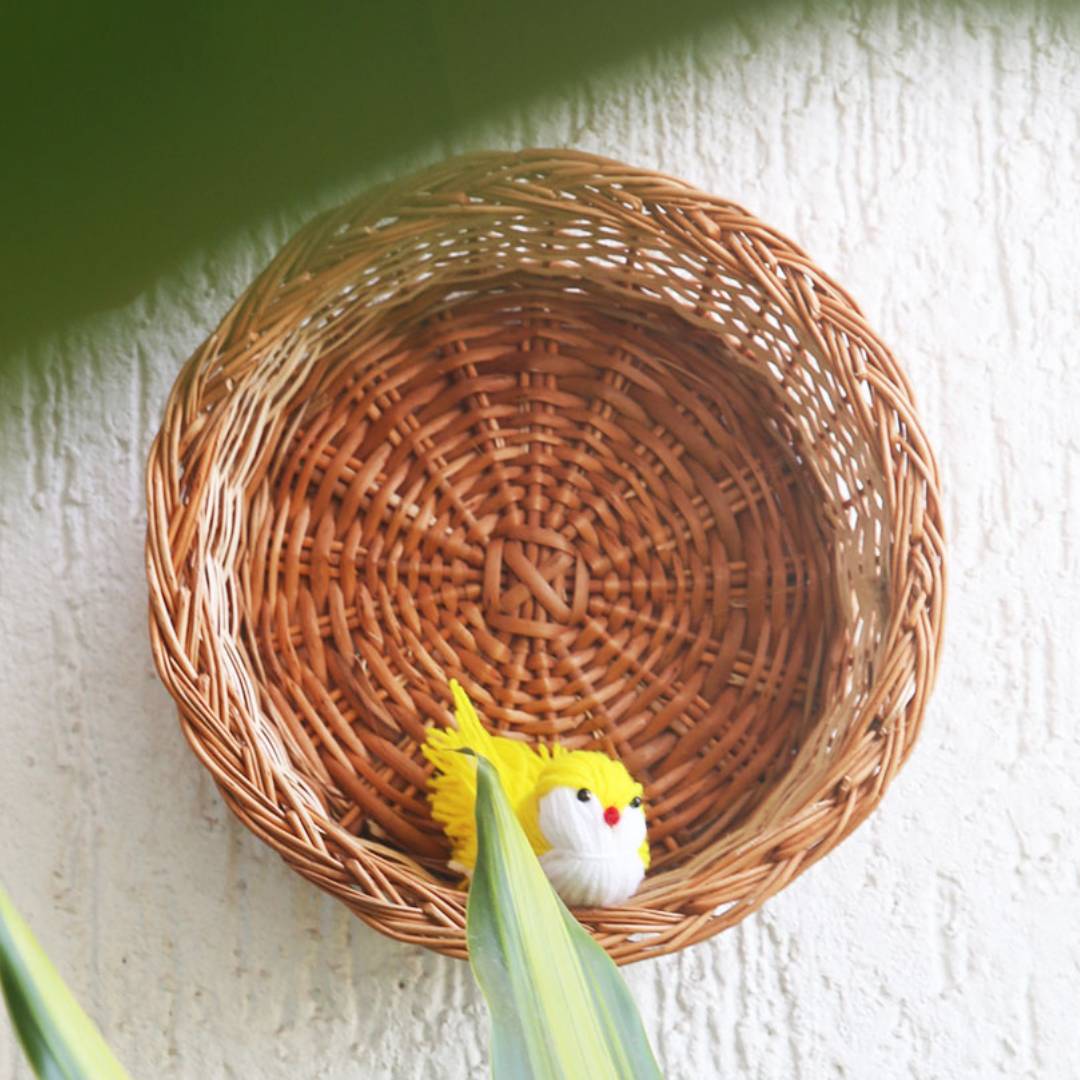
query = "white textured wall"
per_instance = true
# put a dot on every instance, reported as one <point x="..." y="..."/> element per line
<point x="931" y="161"/>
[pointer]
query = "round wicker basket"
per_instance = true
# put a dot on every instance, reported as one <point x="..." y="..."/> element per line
<point x="607" y="449"/>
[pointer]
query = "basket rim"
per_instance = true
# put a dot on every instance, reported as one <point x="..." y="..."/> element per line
<point x="668" y="912"/>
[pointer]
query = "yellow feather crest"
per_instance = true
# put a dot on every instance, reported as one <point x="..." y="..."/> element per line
<point x="452" y="791"/>
<point x="606" y="778"/>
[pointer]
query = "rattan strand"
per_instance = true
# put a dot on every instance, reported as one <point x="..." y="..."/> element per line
<point x="607" y="449"/>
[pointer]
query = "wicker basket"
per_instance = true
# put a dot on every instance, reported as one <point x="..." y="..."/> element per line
<point x="611" y="452"/>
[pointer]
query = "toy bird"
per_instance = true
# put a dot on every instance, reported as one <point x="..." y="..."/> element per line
<point x="580" y="809"/>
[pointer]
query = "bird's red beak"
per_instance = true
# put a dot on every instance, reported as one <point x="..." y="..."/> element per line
<point x="611" y="816"/>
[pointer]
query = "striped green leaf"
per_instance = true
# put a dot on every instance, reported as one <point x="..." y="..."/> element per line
<point x="60" y="1040"/>
<point x="559" y="1008"/>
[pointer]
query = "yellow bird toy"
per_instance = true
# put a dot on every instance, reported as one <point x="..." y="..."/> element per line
<point x="580" y="809"/>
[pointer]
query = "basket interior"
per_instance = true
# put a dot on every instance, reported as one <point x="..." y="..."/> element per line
<point x="601" y="516"/>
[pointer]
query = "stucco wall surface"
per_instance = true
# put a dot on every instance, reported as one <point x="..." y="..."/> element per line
<point x="929" y="158"/>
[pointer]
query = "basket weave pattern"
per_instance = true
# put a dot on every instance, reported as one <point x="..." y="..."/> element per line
<point x="605" y="448"/>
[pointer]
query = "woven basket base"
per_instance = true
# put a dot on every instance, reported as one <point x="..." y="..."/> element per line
<point x="584" y="517"/>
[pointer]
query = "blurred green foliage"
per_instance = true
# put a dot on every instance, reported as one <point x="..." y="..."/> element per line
<point x="133" y="132"/>
<point x="59" y="1039"/>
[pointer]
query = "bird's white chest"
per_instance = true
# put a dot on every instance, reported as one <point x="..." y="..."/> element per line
<point x="591" y="880"/>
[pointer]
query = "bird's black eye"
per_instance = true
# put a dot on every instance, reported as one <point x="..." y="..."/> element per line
<point x="584" y="794"/>
<point x="635" y="802"/>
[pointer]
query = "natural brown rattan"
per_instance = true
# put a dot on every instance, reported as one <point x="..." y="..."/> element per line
<point x="607" y="449"/>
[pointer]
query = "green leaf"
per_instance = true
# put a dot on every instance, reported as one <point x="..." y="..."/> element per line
<point x="559" y="1006"/>
<point x="60" y="1040"/>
